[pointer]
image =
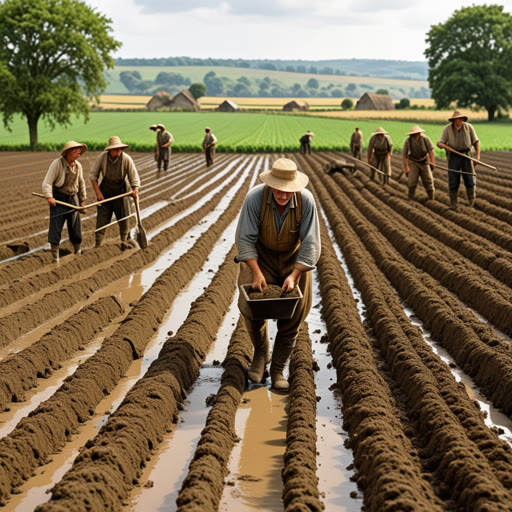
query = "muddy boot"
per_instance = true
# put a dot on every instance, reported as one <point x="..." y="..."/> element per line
<point x="431" y="194"/>
<point x="412" y="192"/>
<point x="77" y="248"/>
<point x="99" y="238"/>
<point x="280" y="356"/>
<point x="471" y="192"/>
<point x="258" y="365"/>
<point x="453" y="201"/>
<point x="55" y="252"/>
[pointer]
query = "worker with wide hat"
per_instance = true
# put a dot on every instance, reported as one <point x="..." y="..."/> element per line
<point x="380" y="148"/>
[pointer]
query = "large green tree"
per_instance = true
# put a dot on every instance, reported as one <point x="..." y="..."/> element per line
<point x="52" y="57"/>
<point x="470" y="58"/>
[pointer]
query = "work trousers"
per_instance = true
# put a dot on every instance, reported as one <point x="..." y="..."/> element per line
<point x="210" y="153"/>
<point x="59" y="215"/>
<point x="381" y="162"/>
<point x="287" y="329"/>
<point x="163" y="159"/>
<point x="419" y="170"/>
<point x="117" y="207"/>
<point x="460" y="163"/>
<point x="356" y="152"/>
<point x="305" y="148"/>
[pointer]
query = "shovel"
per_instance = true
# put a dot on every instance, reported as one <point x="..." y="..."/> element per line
<point x="141" y="234"/>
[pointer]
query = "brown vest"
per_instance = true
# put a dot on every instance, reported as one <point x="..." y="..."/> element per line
<point x="277" y="252"/>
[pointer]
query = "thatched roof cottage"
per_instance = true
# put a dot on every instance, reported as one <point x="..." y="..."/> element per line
<point x="296" y="105"/>
<point x="228" y="106"/>
<point x="159" y="100"/>
<point x="372" y="101"/>
<point x="185" y="101"/>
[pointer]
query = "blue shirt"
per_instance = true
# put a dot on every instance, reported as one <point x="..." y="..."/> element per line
<point x="248" y="226"/>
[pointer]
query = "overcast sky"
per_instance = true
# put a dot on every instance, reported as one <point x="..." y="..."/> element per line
<point x="278" y="29"/>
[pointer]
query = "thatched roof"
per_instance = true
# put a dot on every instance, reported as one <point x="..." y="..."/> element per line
<point x="184" y="100"/>
<point x="372" y="101"/>
<point x="159" y="100"/>
<point x="296" y="105"/>
<point x="228" y="106"/>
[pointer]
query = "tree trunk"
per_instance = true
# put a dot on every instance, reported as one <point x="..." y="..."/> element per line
<point x="32" y="130"/>
<point x="491" y="111"/>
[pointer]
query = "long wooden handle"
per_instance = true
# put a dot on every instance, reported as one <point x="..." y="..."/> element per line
<point x="107" y="200"/>
<point x="367" y="164"/>
<point x="451" y="170"/>
<point x="474" y="160"/>
<point x="60" y="202"/>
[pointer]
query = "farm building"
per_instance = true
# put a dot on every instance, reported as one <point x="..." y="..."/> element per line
<point x="185" y="101"/>
<point x="296" y="105"/>
<point x="228" y="106"/>
<point x="159" y="100"/>
<point x="372" y="101"/>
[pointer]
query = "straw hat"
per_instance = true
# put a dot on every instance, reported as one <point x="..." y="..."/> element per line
<point x="284" y="176"/>
<point x="416" y="129"/>
<point x="458" y="115"/>
<point x="153" y="127"/>
<point x="114" y="143"/>
<point x="160" y="126"/>
<point x="380" y="130"/>
<point x="72" y="144"/>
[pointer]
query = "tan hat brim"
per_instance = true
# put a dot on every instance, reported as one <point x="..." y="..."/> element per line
<point x="78" y="145"/>
<point x="298" y="183"/>
<point x="413" y="133"/>
<point x="116" y="146"/>
<point x="464" y="118"/>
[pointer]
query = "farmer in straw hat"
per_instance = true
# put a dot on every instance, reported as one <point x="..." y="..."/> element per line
<point x="164" y="139"/>
<point x="460" y="136"/>
<point x="278" y="241"/>
<point x="380" y="148"/>
<point x="305" y="142"/>
<point x="417" y="151"/>
<point x="116" y="168"/>
<point x="64" y="182"/>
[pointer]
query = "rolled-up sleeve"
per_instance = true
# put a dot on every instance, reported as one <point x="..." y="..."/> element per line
<point x="131" y="171"/>
<point x="310" y="243"/>
<point x="51" y="178"/>
<point x="248" y="225"/>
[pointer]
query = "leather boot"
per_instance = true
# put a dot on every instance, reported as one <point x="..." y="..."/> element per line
<point x="258" y="333"/>
<point x="453" y="201"/>
<point x="99" y="238"/>
<point x="431" y="194"/>
<point x="280" y="355"/>
<point x="412" y="191"/>
<point x="471" y="192"/>
<point x="55" y="252"/>
<point x="77" y="248"/>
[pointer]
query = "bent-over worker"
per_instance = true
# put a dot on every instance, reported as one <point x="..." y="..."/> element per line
<point x="164" y="139"/>
<point x="460" y="136"/>
<point x="380" y="148"/>
<point x="64" y="182"/>
<point x="209" y="142"/>
<point x="417" y="151"/>
<point x="115" y="167"/>
<point x="278" y="242"/>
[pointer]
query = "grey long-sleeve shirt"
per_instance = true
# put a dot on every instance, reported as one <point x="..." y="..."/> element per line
<point x="248" y="225"/>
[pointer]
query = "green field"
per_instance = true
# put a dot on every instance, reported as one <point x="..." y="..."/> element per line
<point x="242" y="132"/>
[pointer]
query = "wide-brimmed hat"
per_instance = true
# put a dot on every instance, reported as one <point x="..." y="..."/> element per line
<point x="380" y="130"/>
<point x="72" y="144"/>
<point x="207" y="128"/>
<point x="115" y="143"/>
<point x="458" y="115"/>
<point x="309" y="132"/>
<point x="284" y="176"/>
<point x="160" y="126"/>
<point x="153" y="127"/>
<point x="415" y="129"/>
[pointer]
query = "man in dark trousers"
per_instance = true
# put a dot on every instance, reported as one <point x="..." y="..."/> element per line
<point x="164" y="139"/>
<point x="64" y="182"/>
<point x="356" y="143"/>
<point x="209" y="142"/>
<point x="116" y="168"/>
<point x="305" y="143"/>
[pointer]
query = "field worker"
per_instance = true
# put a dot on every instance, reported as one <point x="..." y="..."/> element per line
<point x="209" y="142"/>
<point x="380" y="148"/>
<point x="278" y="242"/>
<point x="305" y="142"/>
<point x="64" y="182"/>
<point x="460" y="136"/>
<point x="116" y="168"/>
<point x="417" y="151"/>
<point x="356" y="143"/>
<point x="164" y="139"/>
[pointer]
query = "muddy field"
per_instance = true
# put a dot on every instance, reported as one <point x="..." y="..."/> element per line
<point x="123" y="373"/>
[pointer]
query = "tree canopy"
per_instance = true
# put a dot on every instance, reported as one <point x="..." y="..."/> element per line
<point x="52" y="57"/>
<point x="198" y="90"/>
<point x="469" y="58"/>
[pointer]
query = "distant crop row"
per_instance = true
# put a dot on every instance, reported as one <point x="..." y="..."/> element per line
<point x="239" y="132"/>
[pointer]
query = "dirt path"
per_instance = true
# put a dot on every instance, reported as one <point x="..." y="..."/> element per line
<point x="123" y="374"/>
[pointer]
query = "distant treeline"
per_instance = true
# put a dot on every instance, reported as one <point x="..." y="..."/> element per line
<point x="411" y="70"/>
<point x="258" y="87"/>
